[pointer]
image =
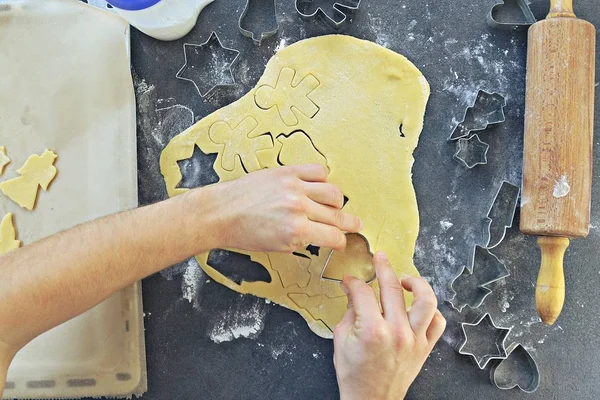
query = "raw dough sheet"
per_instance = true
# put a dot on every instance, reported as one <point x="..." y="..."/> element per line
<point x="356" y="108"/>
<point x="65" y="85"/>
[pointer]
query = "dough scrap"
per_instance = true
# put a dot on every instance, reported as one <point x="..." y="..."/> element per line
<point x="8" y="235"/>
<point x="4" y="160"/>
<point x="338" y="101"/>
<point x="37" y="171"/>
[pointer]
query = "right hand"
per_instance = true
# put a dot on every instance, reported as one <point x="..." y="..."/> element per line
<point x="378" y="356"/>
<point x="282" y="210"/>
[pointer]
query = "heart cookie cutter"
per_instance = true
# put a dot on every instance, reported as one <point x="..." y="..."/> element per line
<point x="354" y="241"/>
<point x="519" y="369"/>
<point x="483" y="341"/>
<point x="516" y="9"/>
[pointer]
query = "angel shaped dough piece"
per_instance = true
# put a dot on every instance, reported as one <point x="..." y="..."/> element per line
<point x="37" y="171"/>
<point x="8" y="235"/>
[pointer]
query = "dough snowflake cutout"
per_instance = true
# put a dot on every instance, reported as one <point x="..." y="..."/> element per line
<point x="8" y="235"/>
<point x="289" y="98"/>
<point x="37" y="171"/>
<point x="4" y="160"/>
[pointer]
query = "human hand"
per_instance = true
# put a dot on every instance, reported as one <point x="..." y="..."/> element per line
<point x="283" y="209"/>
<point x="378" y="356"/>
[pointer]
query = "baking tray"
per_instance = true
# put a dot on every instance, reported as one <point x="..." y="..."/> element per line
<point x="65" y="85"/>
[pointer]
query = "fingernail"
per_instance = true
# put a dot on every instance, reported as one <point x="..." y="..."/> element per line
<point x="361" y="225"/>
<point x="381" y="255"/>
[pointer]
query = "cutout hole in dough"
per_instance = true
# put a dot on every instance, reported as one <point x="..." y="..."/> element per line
<point x="237" y="267"/>
<point x="198" y="170"/>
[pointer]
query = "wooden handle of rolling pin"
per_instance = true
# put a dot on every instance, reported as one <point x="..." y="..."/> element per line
<point x="561" y="9"/>
<point x="550" y="288"/>
<point x="557" y="157"/>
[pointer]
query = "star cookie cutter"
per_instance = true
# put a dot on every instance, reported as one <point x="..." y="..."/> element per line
<point x="212" y="71"/>
<point x="519" y="369"/>
<point x="483" y="341"/>
<point x="471" y="152"/>
<point x="255" y="20"/>
<point x="343" y="10"/>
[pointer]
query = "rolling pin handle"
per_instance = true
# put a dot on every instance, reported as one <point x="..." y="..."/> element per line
<point x="561" y="9"/>
<point x="550" y="288"/>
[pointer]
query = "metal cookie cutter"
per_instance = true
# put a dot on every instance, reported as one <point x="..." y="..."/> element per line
<point x="471" y="152"/>
<point x="342" y="11"/>
<point x="208" y="65"/>
<point x="483" y="341"/>
<point x="258" y="21"/>
<point x="470" y="287"/>
<point x="511" y="14"/>
<point x="487" y="109"/>
<point x="356" y="252"/>
<point x="519" y="369"/>
<point x="502" y="213"/>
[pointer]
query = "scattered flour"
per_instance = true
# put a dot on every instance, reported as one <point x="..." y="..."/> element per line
<point x="239" y="322"/>
<point x="446" y="225"/>
<point x="193" y="279"/>
<point x="561" y="188"/>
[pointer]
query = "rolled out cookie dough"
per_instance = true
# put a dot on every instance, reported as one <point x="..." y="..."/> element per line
<point x="8" y="235"/>
<point x="356" y="108"/>
<point x="37" y="171"/>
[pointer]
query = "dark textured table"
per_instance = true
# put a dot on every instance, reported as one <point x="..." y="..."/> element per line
<point x="190" y="323"/>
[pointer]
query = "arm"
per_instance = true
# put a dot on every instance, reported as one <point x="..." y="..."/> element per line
<point x="55" y="279"/>
<point x="378" y="356"/>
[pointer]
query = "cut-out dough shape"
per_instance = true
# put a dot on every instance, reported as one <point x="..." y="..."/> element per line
<point x="289" y="96"/>
<point x="4" y="160"/>
<point x="297" y="148"/>
<point x="8" y="235"/>
<point x="37" y="171"/>
<point x="355" y="260"/>
<point x="365" y="92"/>
<point x="221" y="133"/>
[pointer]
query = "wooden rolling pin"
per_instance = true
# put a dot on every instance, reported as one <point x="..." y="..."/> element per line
<point x="557" y="159"/>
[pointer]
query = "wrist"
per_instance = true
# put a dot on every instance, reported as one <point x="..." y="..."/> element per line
<point x="205" y="221"/>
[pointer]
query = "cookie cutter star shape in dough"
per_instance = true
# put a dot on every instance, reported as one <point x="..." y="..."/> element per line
<point x="208" y="65"/>
<point x="290" y="96"/>
<point x="483" y="341"/>
<point x="471" y="152"/>
<point x="222" y="133"/>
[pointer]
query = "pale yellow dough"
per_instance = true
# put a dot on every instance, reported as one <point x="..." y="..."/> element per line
<point x="8" y="235"/>
<point x="340" y="102"/>
<point x="37" y="171"/>
<point x="4" y="160"/>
